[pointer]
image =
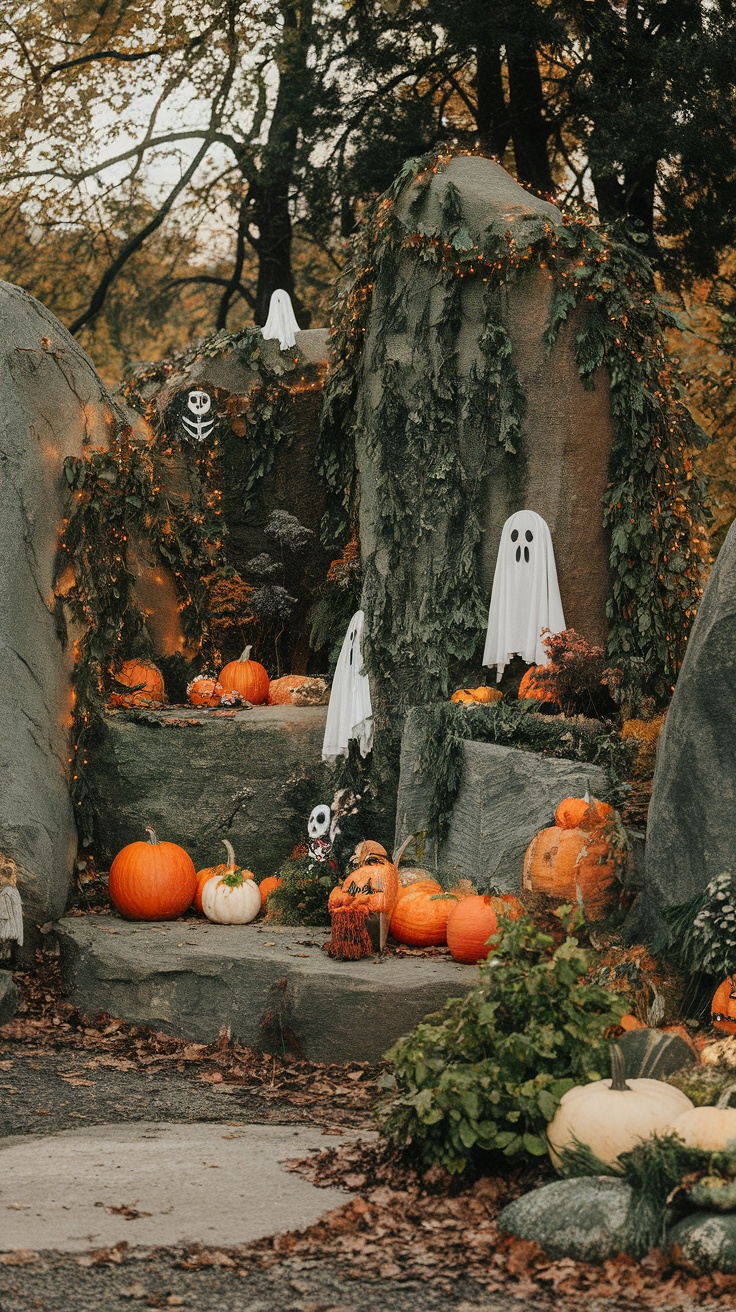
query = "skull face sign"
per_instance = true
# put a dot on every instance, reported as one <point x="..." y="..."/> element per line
<point x="199" y="403"/>
<point x="318" y="829"/>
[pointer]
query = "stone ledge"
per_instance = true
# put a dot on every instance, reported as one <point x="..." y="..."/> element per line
<point x="192" y="978"/>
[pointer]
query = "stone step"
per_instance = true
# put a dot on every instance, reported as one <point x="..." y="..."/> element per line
<point x="274" y="988"/>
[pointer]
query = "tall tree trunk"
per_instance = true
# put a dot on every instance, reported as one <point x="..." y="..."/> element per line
<point x="529" y="131"/>
<point x="492" y="116"/>
<point x="268" y="195"/>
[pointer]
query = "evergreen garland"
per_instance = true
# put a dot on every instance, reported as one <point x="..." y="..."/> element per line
<point x="653" y="505"/>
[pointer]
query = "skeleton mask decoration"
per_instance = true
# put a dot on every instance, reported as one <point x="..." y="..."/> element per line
<point x="526" y="596"/>
<point x="319" y="840"/>
<point x="199" y="403"/>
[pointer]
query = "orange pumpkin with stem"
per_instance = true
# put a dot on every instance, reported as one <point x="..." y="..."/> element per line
<point x="153" y="880"/>
<point x="420" y="914"/>
<point x="470" y="924"/>
<point x="144" y="683"/>
<point x="530" y="687"/>
<point x="247" y="678"/>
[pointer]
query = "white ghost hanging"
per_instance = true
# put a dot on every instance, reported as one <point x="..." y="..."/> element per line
<point x="526" y="596"/>
<point x="319" y="838"/>
<point x="349" y="714"/>
<point x="281" y="322"/>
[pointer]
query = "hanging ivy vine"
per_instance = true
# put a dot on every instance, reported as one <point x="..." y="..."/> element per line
<point x="155" y="486"/>
<point x="424" y="476"/>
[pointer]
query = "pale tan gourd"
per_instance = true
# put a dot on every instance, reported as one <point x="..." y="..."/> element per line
<point x="713" y="1129"/>
<point x="611" y="1116"/>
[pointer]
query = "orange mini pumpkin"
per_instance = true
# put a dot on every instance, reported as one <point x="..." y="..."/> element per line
<point x="572" y="865"/>
<point x="723" y="1006"/>
<point x="476" y="696"/>
<point x="144" y="682"/>
<point x="152" y="881"/>
<point x="280" y="690"/>
<point x="204" y="691"/>
<point x="267" y="886"/>
<point x="576" y="813"/>
<point x="247" y="678"/>
<point x="530" y="687"/>
<point x="470" y="924"/>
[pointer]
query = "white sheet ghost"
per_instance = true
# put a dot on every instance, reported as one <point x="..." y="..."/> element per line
<point x="349" y="714"/>
<point x="281" y="321"/>
<point x="526" y="596"/>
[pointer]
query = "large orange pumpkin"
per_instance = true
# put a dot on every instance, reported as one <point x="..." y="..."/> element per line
<point x="144" y="681"/>
<point x="572" y="865"/>
<point x="152" y="881"/>
<point x="267" y="886"/>
<point x="204" y="691"/>
<point x="576" y="813"/>
<point x="470" y="924"/>
<point x="723" y="1006"/>
<point x="247" y="678"/>
<point x="530" y="687"/>
<point x="420" y="914"/>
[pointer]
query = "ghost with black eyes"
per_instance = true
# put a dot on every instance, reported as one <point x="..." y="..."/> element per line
<point x="526" y="597"/>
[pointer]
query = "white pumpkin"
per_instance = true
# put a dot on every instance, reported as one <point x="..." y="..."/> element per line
<point x="713" y="1129"/>
<point x="233" y="898"/>
<point x="612" y="1116"/>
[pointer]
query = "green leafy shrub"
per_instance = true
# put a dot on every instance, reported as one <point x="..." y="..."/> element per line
<point x="301" y="898"/>
<point x="487" y="1072"/>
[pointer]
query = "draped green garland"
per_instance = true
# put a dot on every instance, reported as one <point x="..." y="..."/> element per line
<point x="653" y="505"/>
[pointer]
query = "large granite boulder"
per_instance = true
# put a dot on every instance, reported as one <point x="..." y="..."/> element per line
<point x="253" y="779"/>
<point x="560" y="469"/>
<point x="53" y="403"/>
<point x="505" y="797"/>
<point x="691" y="834"/>
<point x="588" y="1219"/>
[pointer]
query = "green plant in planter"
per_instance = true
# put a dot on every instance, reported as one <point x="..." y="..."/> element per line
<point x="488" y="1071"/>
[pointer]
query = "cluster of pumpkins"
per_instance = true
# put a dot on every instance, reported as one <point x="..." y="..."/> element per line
<point x="576" y="859"/>
<point x="612" y="1116"/>
<point x="158" y="881"/>
<point x="528" y="688"/>
<point x="141" y="684"/>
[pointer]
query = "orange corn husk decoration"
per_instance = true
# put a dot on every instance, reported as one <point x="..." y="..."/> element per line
<point x="350" y="940"/>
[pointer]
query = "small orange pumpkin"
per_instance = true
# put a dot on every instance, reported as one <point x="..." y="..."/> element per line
<point x="723" y="1006"/>
<point x="144" y="681"/>
<point x="576" y="813"/>
<point x="204" y="691"/>
<point x="572" y="865"/>
<point x="470" y="924"/>
<point x="280" y="690"/>
<point x="531" y="688"/>
<point x="210" y="871"/>
<point x="420" y="914"/>
<point x="152" y="881"/>
<point x="267" y="886"/>
<point x="247" y="678"/>
<point x="507" y="905"/>
<point x="476" y="696"/>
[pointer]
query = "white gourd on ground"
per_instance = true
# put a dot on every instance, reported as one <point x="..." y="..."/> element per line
<point x="612" y="1116"/>
<point x="713" y="1129"/>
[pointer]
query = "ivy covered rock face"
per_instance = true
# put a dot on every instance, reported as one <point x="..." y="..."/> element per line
<point x="52" y="403"/>
<point x="690" y="835"/>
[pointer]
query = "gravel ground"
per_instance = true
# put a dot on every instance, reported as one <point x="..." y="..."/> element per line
<point x="43" y="1091"/>
<point x="59" y="1284"/>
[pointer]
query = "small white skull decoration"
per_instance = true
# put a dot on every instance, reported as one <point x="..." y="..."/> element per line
<point x="319" y="839"/>
<point x="200" y="404"/>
